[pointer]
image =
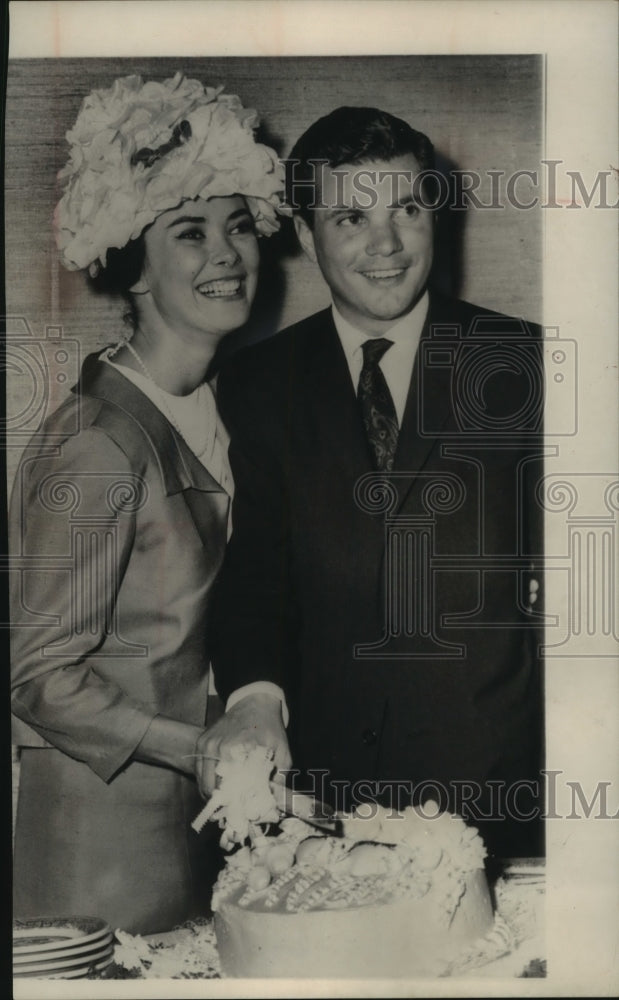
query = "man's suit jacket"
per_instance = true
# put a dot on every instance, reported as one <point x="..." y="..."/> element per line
<point x="432" y="569"/>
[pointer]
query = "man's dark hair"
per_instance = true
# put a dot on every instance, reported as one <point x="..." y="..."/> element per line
<point x="349" y="135"/>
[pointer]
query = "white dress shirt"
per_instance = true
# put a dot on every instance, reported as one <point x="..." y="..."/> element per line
<point x="397" y="363"/>
<point x="397" y="367"/>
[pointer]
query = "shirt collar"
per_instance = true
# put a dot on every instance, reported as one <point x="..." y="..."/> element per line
<point x="405" y="331"/>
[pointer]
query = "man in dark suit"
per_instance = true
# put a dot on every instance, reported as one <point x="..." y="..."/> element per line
<point x="380" y="579"/>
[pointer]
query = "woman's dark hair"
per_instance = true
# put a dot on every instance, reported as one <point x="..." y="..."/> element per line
<point x="122" y="269"/>
<point x="349" y="135"/>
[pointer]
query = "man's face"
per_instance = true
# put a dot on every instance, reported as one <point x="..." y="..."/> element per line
<point x="372" y="240"/>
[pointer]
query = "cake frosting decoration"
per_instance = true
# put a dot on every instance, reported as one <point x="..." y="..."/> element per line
<point x="408" y="854"/>
<point x="399" y="894"/>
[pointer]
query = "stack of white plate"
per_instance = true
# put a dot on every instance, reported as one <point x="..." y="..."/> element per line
<point x="61" y="947"/>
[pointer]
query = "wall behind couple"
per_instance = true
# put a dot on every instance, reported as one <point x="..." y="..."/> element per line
<point x="483" y="113"/>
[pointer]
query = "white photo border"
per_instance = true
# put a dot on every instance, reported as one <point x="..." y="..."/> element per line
<point x="580" y="296"/>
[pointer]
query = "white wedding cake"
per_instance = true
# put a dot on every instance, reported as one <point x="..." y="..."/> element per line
<point x="398" y="895"/>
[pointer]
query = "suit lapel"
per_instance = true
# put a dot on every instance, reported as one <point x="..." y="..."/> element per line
<point x="332" y="402"/>
<point x="427" y="411"/>
<point x="331" y="397"/>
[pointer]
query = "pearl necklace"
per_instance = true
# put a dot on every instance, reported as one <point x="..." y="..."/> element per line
<point x="210" y="429"/>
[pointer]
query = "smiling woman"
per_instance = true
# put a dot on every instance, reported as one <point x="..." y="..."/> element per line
<point x="198" y="282"/>
<point x="121" y="508"/>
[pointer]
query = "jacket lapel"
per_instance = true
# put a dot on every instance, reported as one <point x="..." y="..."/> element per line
<point x="178" y="466"/>
<point x="331" y="397"/>
<point x="332" y="401"/>
<point x="180" y="470"/>
<point x="427" y="411"/>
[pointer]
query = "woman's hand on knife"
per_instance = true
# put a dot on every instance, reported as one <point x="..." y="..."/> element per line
<point x="255" y="720"/>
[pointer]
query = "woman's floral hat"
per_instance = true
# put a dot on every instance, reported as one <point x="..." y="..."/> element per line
<point x="139" y="149"/>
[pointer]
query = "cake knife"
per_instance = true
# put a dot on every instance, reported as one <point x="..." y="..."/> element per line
<point x="307" y="808"/>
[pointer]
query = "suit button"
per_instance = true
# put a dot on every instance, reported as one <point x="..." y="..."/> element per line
<point x="369" y="737"/>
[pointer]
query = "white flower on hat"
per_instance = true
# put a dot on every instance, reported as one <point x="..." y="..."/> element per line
<point x="139" y="149"/>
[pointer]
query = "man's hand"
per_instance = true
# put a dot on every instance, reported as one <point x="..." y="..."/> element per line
<point x="255" y="720"/>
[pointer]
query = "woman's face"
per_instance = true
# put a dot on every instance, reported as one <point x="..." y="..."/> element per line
<point x="201" y="267"/>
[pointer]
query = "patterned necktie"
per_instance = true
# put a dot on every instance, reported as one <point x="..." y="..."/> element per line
<point x="377" y="409"/>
